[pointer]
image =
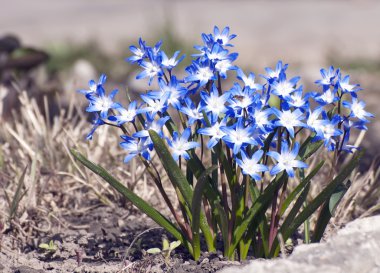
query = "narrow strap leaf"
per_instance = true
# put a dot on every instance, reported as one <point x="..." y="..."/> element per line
<point x="196" y="208"/>
<point x="19" y="194"/>
<point x="136" y="200"/>
<point x="223" y="223"/>
<point x="308" y="148"/>
<point x="179" y="180"/>
<point x="197" y="168"/>
<point x="327" y="211"/>
<point x="263" y="225"/>
<point x="300" y="186"/>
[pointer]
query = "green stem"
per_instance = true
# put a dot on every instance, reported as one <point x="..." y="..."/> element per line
<point x="306" y="227"/>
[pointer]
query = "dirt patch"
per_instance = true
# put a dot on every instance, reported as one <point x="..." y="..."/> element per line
<point x="100" y="240"/>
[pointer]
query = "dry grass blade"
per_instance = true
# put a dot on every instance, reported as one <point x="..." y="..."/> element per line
<point x="16" y="198"/>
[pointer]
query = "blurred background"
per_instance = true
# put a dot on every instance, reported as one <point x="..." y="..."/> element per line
<point x="78" y="39"/>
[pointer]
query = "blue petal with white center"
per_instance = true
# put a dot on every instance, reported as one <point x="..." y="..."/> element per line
<point x="180" y="144"/>
<point x="286" y="160"/>
<point x="250" y="165"/>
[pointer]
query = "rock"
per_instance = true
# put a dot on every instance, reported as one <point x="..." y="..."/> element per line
<point x="353" y="249"/>
<point x="27" y="269"/>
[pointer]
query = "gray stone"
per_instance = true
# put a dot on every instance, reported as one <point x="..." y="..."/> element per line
<point x="27" y="269"/>
<point x="355" y="248"/>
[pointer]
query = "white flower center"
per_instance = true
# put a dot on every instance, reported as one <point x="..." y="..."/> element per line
<point x="358" y="110"/>
<point x="104" y="103"/>
<point x="204" y="73"/>
<point x="286" y="159"/>
<point x="223" y="66"/>
<point x="328" y="130"/>
<point x="152" y="70"/>
<point x="287" y="118"/>
<point x="284" y="88"/>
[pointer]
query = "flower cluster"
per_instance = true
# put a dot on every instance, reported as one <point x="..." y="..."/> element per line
<point x="259" y="128"/>
<point x="241" y="118"/>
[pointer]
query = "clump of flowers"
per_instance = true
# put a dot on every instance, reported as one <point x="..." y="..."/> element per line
<point x="233" y="151"/>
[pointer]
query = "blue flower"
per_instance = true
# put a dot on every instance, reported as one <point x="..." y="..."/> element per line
<point x="347" y="125"/>
<point x="154" y="106"/>
<point x="250" y="166"/>
<point x="216" y="53"/>
<point x="287" y="159"/>
<point x="177" y="92"/>
<point x="181" y="144"/>
<point x="289" y="119"/>
<point x="274" y="74"/>
<point x="136" y="147"/>
<point x="99" y="102"/>
<point x="249" y="81"/>
<point x="327" y="97"/>
<point x="152" y="68"/>
<point x="126" y="115"/>
<point x="213" y="103"/>
<point x="96" y="123"/>
<point x="241" y="99"/>
<point x="328" y="76"/>
<point x="172" y="62"/>
<point x="346" y="87"/>
<point x="357" y="109"/>
<point x="297" y="100"/>
<point x="208" y="41"/>
<point x="223" y="37"/>
<point x="261" y="117"/>
<point x="284" y="88"/>
<point x="238" y="135"/>
<point x="140" y="53"/>
<point x="193" y="113"/>
<point x="151" y="124"/>
<point x="329" y="131"/>
<point x="214" y="132"/>
<point x="313" y="122"/>
<point x="93" y="86"/>
<point x="200" y="72"/>
<point x="223" y="66"/>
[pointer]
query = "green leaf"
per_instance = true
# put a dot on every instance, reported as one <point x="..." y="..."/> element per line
<point x="174" y="245"/>
<point x="196" y="208"/>
<point x="261" y="204"/>
<point x="308" y="148"/>
<point x="153" y="250"/>
<point x="263" y="226"/>
<point x="19" y="194"/>
<point x="165" y="244"/>
<point x="50" y="247"/>
<point x="197" y="168"/>
<point x="171" y="167"/>
<point x="179" y="180"/>
<point x="136" y="200"/>
<point x="223" y="224"/>
<point x="337" y="196"/>
<point x="300" y="187"/>
<point x="44" y="246"/>
<point x="328" y="209"/>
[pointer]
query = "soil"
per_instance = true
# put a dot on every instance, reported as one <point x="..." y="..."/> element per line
<point x="102" y="239"/>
